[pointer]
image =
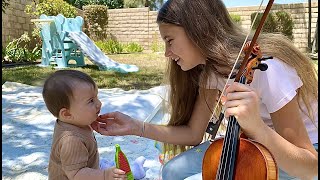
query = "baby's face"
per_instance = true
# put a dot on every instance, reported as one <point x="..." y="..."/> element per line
<point x="85" y="105"/>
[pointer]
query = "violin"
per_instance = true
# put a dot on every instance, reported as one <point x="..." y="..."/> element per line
<point x="234" y="156"/>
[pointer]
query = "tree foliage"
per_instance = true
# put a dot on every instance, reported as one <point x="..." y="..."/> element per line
<point x="111" y="4"/>
<point x="154" y="4"/>
<point x="117" y="4"/>
<point x="279" y="22"/>
<point x="51" y="8"/>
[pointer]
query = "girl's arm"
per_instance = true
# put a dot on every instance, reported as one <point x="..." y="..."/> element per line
<point x="190" y="134"/>
<point x="290" y="144"/>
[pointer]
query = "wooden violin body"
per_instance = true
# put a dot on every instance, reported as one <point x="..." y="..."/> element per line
<point x="253" y="161"/>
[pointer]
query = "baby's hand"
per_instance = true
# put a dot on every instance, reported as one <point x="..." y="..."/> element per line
<point x="114" y="173"/>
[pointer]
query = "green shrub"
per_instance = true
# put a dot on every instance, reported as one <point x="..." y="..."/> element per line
<point x="111" y="4"/>
<point x="133" y="3"/>
<point x="19" y="50"/>
<point x="51" y="8"/>
<point x="270" y="24"/>
<point x="110" y="46"/>
<point x="115" y="47"/>
<point x="80" y="3"/>
<point x="95" y="21"/>
<point x="285" y="23"/>
<point x="133" y="47"/>
<point x="157" y="46"/>
<point x="153" y="5"/>
<point x="236" y="18"/>
<point x="100" y="45"/>
<point x="279" y="22"/>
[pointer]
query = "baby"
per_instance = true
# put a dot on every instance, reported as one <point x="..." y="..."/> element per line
<point x="71" y="96"/>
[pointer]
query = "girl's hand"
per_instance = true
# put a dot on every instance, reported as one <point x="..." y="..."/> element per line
<point x="114" y="173"/>
<point x="243" y="103"/>
<point x="116" y="124"/>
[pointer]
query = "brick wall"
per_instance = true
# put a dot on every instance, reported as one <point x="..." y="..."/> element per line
<point x="138" y="24"/>
<point x="15" y="21"/>
<point x="133" y="25"/>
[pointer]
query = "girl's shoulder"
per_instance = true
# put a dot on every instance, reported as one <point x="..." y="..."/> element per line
<point x="277" y="70"/>
<point x="277" y="85"/>
<point x="276" y="63"/>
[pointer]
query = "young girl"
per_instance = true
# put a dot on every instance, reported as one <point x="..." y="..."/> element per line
<point x="278" y="109"/>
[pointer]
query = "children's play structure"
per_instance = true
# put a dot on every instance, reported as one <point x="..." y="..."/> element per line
<point x="63" y="41"/>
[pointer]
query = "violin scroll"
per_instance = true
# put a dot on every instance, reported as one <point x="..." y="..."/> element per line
<point x="254" y="61"/>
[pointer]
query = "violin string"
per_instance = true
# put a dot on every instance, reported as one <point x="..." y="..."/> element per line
<point x="223" y="156"/>
<point x="222" y="159"/>
<point x="232" y="143"/>
<point x="226" y="144"/>
<point x="229" y="142"/>
<point x="254" y="20"/>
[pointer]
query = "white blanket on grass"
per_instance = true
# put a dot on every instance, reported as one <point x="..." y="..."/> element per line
<point x="27" y="128"/>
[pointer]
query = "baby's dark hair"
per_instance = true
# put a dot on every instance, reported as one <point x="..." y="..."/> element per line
<point x="58" y="88"/>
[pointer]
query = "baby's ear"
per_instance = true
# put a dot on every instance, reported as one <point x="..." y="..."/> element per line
<point x="65" y="114"/>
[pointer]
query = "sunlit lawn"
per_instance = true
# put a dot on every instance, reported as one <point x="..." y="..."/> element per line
<point x="152" y="67"/>
<point x="151" y="72"/>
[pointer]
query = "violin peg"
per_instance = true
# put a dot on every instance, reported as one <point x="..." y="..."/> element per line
<point x="265" y="58"/>
<point x="261" y="66"/>
<point x="233" y="76"/>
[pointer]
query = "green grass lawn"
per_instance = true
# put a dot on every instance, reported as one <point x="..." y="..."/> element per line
<point x="152" y="67"/>
<point x="150" y="74"/>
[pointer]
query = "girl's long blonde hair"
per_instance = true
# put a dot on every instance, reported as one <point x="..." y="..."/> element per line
<point x="209" y="26"/>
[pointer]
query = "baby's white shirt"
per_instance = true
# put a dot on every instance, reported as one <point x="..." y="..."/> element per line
<point x="276" y="87"/>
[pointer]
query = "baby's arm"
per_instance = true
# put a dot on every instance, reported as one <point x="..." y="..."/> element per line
<point x="74" y="157"/>
<point x="97" y="174"/>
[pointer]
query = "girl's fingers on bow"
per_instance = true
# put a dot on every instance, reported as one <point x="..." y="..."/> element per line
<point x="238" y="95"/>
<point x="223" y="100"/>
<point x="237" y="87"/>
<point x="234" y="103"/>
<point x="231" y="112"/>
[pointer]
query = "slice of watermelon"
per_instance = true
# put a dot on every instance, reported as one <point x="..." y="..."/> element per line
<point x="122" y="162"/>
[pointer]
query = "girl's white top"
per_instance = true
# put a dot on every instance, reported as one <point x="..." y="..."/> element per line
<point x="276" y="87"/>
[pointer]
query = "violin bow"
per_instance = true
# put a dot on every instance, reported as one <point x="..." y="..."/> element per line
<point x="253" y="41"/>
